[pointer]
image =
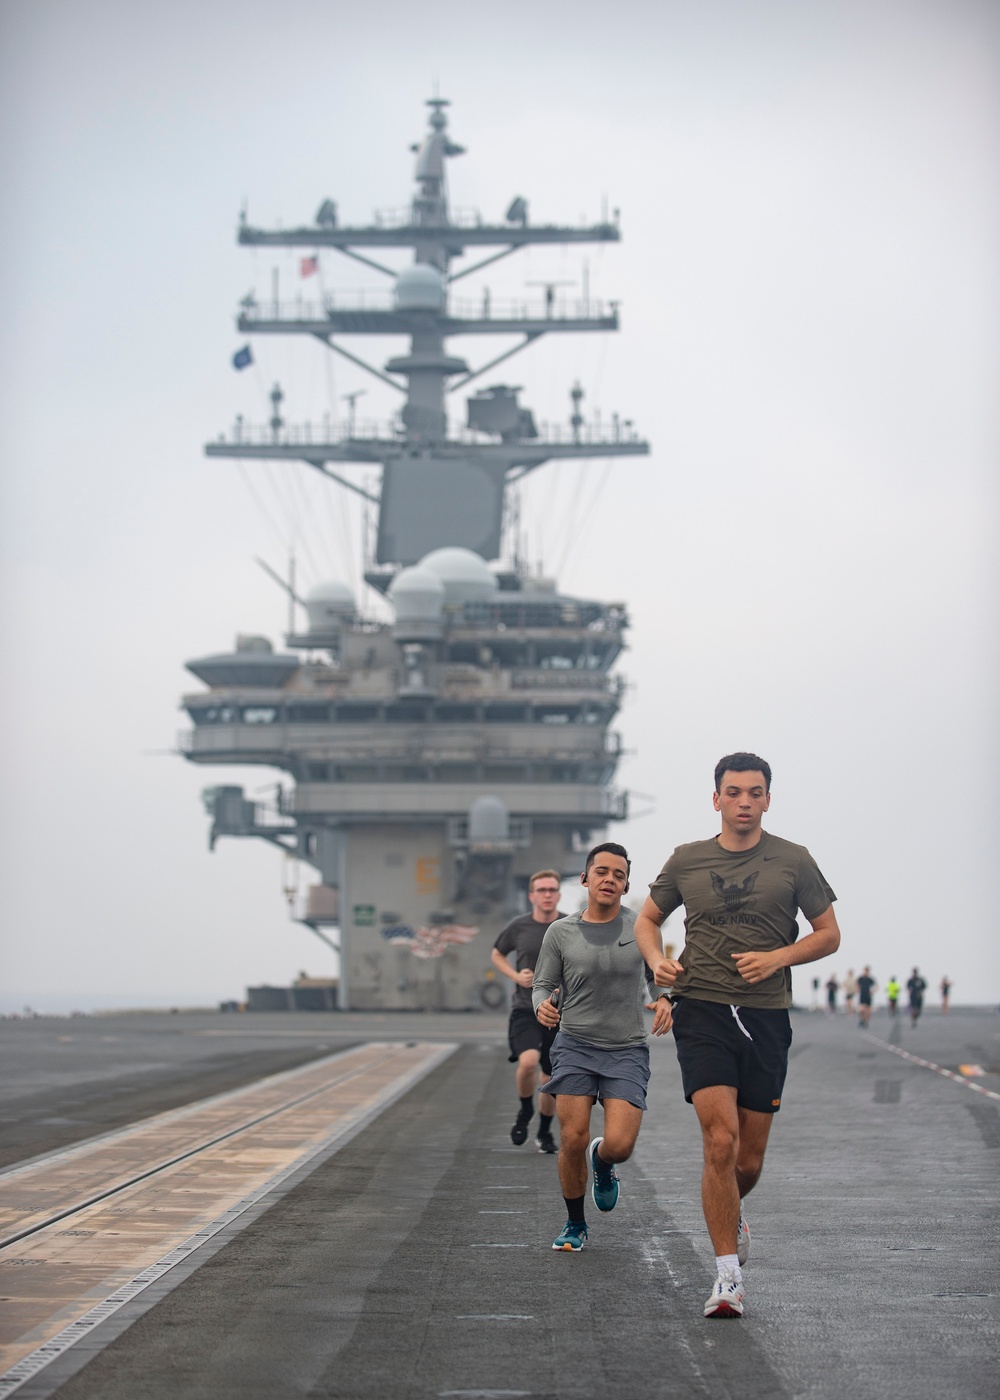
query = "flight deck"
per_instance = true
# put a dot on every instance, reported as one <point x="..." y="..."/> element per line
<point x="352" y="1220"/>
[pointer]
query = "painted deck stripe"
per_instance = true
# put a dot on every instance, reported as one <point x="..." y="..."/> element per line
<point x="938" y="1069"/>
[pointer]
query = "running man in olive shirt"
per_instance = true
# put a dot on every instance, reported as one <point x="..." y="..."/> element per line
<point x="732" y="987"/>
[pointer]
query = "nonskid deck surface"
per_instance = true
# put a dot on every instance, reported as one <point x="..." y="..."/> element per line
<point x="416" y="1260"/>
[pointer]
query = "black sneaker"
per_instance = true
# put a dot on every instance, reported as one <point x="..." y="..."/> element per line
<point x="519" y="1132"/>
<point x="545" y="1142"/>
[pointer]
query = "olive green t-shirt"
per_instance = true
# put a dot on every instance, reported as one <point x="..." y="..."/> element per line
<point x="738" y="902"/>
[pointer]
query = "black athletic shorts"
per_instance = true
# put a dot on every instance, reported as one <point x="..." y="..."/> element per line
<point x="742" y="1046"/>
<point x="526" y="1032"/>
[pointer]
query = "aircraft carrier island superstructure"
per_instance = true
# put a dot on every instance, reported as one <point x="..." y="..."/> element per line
<point x="436" y="759"/>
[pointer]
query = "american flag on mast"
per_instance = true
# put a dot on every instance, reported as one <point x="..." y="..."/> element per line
<point x="309" y="266"/>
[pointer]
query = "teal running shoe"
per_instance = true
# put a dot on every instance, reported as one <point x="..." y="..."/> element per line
<point x="573" y="1236"/>
<point x="605" y="1187"/>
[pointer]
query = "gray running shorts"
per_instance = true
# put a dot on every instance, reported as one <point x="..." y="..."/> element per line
<point x="590" y="1070"/>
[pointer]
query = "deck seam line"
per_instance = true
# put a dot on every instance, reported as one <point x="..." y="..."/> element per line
<point x="36" y="1361"/>
<point x="185" y="1110"/>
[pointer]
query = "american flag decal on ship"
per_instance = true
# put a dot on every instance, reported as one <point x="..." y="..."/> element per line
<point x="429" y="942"/>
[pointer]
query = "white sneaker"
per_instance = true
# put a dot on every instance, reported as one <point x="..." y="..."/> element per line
<point x="743" y="1239"/>
<point x="726" y="1298"/>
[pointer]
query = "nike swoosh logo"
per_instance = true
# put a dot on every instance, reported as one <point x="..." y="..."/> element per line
<point x="629" y="943"/>
<point x="770" y="857"/>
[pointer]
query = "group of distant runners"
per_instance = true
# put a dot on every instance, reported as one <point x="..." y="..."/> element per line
<point x="865" y="986"/>
<point x="587" y="977"/>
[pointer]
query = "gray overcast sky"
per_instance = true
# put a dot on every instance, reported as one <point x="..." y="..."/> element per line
<point x="809" y="283"/>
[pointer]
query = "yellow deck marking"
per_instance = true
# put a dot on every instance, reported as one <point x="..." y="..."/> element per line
<point x="55" y="1276"/>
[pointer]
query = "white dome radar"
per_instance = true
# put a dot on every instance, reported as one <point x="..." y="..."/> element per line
<point x="329" y="605"/>
<point x="417" y="595"/>
<point x="464" y="574"/>
<point x="489" y="821"/>
<point x="420" y="288"/>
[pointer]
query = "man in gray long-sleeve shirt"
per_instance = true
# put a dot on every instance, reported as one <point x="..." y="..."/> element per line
<point x="589" y="981"/>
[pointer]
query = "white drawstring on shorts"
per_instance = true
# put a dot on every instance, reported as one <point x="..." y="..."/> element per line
<point x="736" y="1018"/>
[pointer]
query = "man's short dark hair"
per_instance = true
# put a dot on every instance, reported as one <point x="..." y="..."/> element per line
<point x="742" y="763"/>
<point x="612" y="848"/>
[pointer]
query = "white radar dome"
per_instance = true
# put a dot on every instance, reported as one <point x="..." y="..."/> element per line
<point x="417" y="594"/>
<point x="328" y="605"/>
<point x="464" y="574"/>
<point x="489" y="821"/>
<point x="420" y="288"/>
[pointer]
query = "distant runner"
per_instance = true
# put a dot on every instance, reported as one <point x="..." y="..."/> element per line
<point x="892" y="991"/>
<point x="529" y="1042"/>
<point x="866" y="990"/>
<point x="732" y="988"/>
<point x="600" y="1052"/>
<point x="916" y="987"/>
<point x="850" y="992"/>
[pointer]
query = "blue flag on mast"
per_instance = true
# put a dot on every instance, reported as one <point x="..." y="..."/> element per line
<point x="242" y="358"/>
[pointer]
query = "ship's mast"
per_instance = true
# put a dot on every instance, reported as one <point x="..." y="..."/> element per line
<point x="429" y="496"/>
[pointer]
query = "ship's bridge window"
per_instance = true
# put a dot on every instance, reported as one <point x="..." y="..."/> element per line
<point x="456" y="773"/>
<point x="317" y="772"/>
<point x="357" y="714"/>
<point x="308" y="714"/>
<point x="505" y="772"/>
<point x="557" y="714"/>
<point x="591" y="773"/>
<point x="259" y="714"/>
<point x="360" y="773"/>
<point x="405" y="714"/>
<point x="556" y="663"/>
<point x="556" y="773"/>
<point x="214" y="714"/>
<point x="466" y="652"/>
<point x="404" y="773"/>
<point x="455" y="714"/>
<point x="505" y="714"/>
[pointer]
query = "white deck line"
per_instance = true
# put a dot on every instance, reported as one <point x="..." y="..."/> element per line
<point x="938" y="1069"/>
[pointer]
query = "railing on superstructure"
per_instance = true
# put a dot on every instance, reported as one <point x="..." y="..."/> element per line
<point x="402" y="217"/>
<point x="381" y="302"/>
<point x="593" y="433"/>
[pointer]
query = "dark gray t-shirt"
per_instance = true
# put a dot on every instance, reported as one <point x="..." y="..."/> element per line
<point x="739" y="902"/>
<point x="603" y="979"/>
<point x="523" y="936"/>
